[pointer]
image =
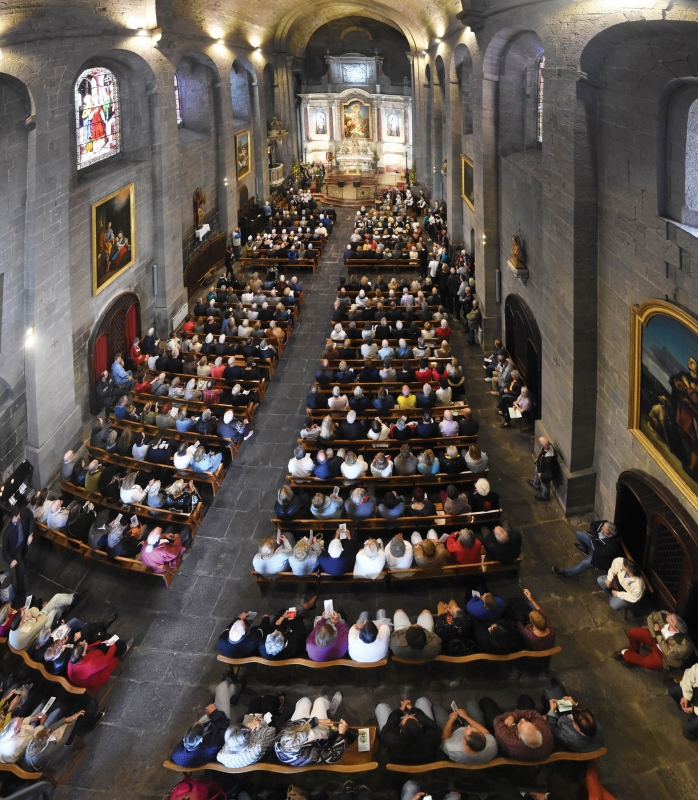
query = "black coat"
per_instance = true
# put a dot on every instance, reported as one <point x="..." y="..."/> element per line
<point x="422" y="749"/>
<point x="605" y="550"/>
<point x="504" y="552"/>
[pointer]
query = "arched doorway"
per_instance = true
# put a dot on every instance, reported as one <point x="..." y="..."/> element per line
<point x="663" y="539"/>
<point x="114" y="333"/>
<point x="523" y="343"/>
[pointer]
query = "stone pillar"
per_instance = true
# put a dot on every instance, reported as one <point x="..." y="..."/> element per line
<point x="53" y="417"/>
<point x="286" y="91"/>
<point x="487" y="257"/>
<point x="420" y="150"/>
<point x="452" y="151"/>
<point x="167" y="212"/>
<point x="226" y="222"/>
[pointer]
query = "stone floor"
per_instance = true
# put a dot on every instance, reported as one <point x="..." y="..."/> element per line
<point x="172" y="669"/>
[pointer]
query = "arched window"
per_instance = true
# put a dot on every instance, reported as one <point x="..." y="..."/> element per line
<point x="541" y="84"/>
<point x="178" y="100"/>
<point x="97" y="116"/>
<point x="692" y="157"/>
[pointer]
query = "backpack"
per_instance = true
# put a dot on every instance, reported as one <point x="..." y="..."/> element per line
<point x="7" y="591"/>
<point x="203" y="789"/>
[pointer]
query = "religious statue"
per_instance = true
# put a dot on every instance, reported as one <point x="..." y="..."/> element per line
<point x="276" y="129"/>
<point x="516" y="251"/>
<point x="199" y="203"/>
<point x="444" y="166"/>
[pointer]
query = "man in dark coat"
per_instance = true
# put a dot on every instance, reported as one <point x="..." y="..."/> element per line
<point x="408" y="733"/>
<point x="600" y="546"/>
<point x="501" y="545"/>
<point x="15" y="543"/>
<point x="545" y="471"/>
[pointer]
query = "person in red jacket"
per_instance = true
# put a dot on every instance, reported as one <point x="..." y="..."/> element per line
<point x="91" y="665"/>
<point x="464" y="547"/>
<point x="137" y="358"/>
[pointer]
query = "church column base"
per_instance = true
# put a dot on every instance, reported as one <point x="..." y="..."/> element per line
<point x="577" y="491"/>
<point x="48" y="457"/>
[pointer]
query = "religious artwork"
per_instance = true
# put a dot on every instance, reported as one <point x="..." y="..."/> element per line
<point x="354" y="73"/>
<point x="97" y="116"/>
<point x="663" y="408"/>
<point x="113" y="237"/>
<point x="199" y="203"/>
<point x="516" y="252"/>
<point x="320" y="123"/>
<point x="356" y="116"/>
<point x="243" y="157"/>
<point x="393" y="124"/>
<point x="178" y="100"/>
<point x="467" y="182"/>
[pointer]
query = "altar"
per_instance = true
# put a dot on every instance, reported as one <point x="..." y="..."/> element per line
<point x="356" y="123"/>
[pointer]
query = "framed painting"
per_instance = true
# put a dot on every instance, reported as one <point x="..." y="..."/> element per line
<point x="467" y="182"/>
<point x="663" y="407"/>
<point x="243" y="155"/>
<point x="113" y="237"/>
<point x="356" y="119"/>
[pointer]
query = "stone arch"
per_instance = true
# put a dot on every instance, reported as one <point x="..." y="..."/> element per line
<point x="677" y="151"/>
<point x="113" y="332"/>
<point x="355" y="29"/>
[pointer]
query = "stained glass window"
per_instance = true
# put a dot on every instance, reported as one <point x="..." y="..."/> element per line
<point x="97" y="116"/>
<point x="541" y="66"/>
<point x="178" y="101"/>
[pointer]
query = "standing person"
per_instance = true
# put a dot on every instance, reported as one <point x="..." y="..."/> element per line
<point x="237" y="244"/>
<point x="545" y="471"/>
<point x="15" y="543"/>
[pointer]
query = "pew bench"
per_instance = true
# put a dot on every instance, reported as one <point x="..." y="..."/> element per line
<point x="558" y="755"/>
<point x="351" y="762"/>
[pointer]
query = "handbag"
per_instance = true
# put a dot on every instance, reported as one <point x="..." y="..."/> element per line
<point x="202" y="789"/>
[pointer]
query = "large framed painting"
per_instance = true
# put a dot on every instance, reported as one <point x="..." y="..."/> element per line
<point x="243" y="155"/>
<point x="467" y="182"/>
<point x="113" y="237"/>
<point x="663" y="408"/>
<point x="356" y="119"/>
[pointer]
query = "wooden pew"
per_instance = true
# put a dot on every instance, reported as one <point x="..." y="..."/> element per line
<point x="212" y="479"/>
<point x="390" y="445"/>
<point x="394" y="481"/>
<point x="195" y="405"/>
<point x="351" y="762"/>
<point x="237" y="663"/>
<point x="438" y="520"/>
<point x="78" y="748"/>
<point x="257" y="386"/>
<point x="381" y="265"/>
<point x="559" y="755"/>
<point x="59" y="539"/>
<point x="162" y="515"/>
<point x="287" y="264"/>
<point x="412" y="414"/>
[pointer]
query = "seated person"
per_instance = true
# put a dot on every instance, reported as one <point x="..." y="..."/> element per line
<point x="327" y="506"/>
<point x="421" y="505"/>
<point x="352" y="429"/>
<point x="522" y="735"/>
<point x="290" y="506"/>
<point x="475" y="460"/>
<point x="340" y="555"/>
<point x="284" y="633"/>
<point x="427" y="428"/>
<point x="309" y="737"/>
<point x="487" y="607"/>
<point x="392" y="506"/>
<point x="429" y="553"/>
<point x="414" y="642"/>
<point x="402" y="430"/>
<point x="398" y="553"/>
<point x="247" y="743"/>
<point x="464" y="737"/>
<point x="483" y="498"/>
<point x="623" y="583"/>
<point x="28" y="622"/>
<point x="409" y="732"/>
<point x="666" y="637"/>
<point x="304" y="556"/>
<point x="370" y="560"/>
<point x="576" y="730"/>
<point x="405" y="462"/>
<point x="301" y="465"/>
<point x="501" y="545"/>
<point x="315" y="400"/>
<point x="448" y="426"/>
<point x="600" y="546"/>
<point x="369" y="640"/>
<point x="272" y="556"/>
<point x="91" y="665"/>
<point x="452" y="462"/>
<point x="360" y="504"/>
<point x="685" y="695"/>
<point x="328" y="464"/>
<point x="201" y="743"/>
<point x="539" y="632"/>
<point x="354" y="466"/>
<point x="240" y="638"/>
<point x="382" y="466"/>
<point x="454" y="502"/>
<point x="162" y="550"/>
<point x="328" y="639"/>
<point x="464" y="547"/>
<point x="498" y="638"/>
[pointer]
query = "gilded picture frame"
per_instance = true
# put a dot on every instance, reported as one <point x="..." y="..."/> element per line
<point x="357" y="120"/>
<point x="467" y="182"/>
<point x="243" y="154"/>
<point x="113" y="237"/>
<point x="663" y="397"/>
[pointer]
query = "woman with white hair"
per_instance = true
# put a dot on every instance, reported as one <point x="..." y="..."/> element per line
<point x="328" y="429"/>
<point x="203" y="370"/>
<point x="245" y="744"/>
<point x="206" y="461"/>
<point x="353" y="466"/>
<point x="338" y="333"/>
<point x="370" y="560"/>
<point x="154" y="498"/>
<point x="361" y="299"/>
<point x="175" y="391"/>
<point x="483" y="498"/>
<point x="130" y="491"/>
<point x="272" y="555"/>
<point x="162" y="551"/>
<point x="240" y="639"/>
<point x="191" y="392"/>
<point x="307" y="738"/>
<point x="382" y="466"/>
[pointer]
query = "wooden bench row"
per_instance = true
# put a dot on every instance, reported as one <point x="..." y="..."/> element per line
<point x="291" y="264"/>
<point x="196" y="405"/>
<point x="417" y="444"/>
<point x="393" y="482"/>
<point x="394" y="413"/>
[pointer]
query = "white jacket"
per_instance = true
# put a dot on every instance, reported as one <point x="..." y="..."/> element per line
<point x="368" y="652"/>
<point x="365" y="567"/>
<point x="633" y="588"/>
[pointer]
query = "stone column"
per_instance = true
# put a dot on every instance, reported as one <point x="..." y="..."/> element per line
<point x="452" y="151"/>
<point x="167" y="212"/>
<point x="226" y="222"/>
<point x="420" y="153"/>
<point x="53" y="417"/>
